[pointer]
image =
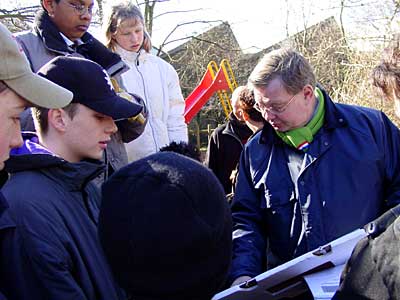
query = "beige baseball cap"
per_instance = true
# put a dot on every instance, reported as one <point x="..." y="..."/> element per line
<point x="15" y="71"/>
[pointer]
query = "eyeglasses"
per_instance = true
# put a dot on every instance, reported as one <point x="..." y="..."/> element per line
<point x="261" y="107"/>
<point x="80" y="9"/>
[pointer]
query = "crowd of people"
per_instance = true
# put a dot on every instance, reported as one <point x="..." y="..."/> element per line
<point x="103" y="197"/>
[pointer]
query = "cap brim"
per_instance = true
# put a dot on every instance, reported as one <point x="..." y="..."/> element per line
<point x="40" y="91"/>
<point x="116" y="107"/>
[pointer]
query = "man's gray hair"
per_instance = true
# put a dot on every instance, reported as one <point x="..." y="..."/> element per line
<point x="290" y="66"/>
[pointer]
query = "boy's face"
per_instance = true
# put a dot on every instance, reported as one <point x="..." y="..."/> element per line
<point x="10" y="129"/>
<point x="72" y="17"/>
<point x="87" y="134"/>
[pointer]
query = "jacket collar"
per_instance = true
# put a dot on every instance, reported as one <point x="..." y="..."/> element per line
<point x="51" y="35"/>
<point x="31" y="156"/>
<point x="131" y="57"/>
<point x="234" y="126"/>
<point x="333" y="119"/>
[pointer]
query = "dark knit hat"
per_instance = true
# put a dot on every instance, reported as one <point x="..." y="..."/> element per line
<point x="166" y="228"/>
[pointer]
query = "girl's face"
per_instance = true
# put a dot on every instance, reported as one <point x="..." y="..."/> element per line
<point x="130" y="35"/>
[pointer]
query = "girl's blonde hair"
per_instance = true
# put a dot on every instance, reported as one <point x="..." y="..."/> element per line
<point x="119" y="13"/>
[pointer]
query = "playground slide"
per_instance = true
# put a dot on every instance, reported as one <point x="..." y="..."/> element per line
<point x="204" y="91"/>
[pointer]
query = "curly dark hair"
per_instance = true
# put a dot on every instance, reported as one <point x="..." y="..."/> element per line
<point x="246" y="101"/>
<point x="183" y="148"/>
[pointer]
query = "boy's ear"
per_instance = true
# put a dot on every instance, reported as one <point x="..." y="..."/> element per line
<point x="240" y="115"/>
<point x="245" y="116"/>
<point x="48" y="5"/>
<point x="57" y="119"/>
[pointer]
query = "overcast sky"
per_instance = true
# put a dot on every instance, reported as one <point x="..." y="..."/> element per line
<point x="256" y="23"/>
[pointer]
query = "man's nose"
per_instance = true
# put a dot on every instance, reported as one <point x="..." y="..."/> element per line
<point x="269" y="115"/>
<point x="87" y="15"/>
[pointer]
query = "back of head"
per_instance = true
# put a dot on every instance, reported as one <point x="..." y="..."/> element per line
<point x="386" y="75"/>
<point x="246" y="102"/>
<point x="118" y="13"/>
<point x="186" y="149"/>
<point x="165" y="227"/>
<point x="290" y="66"/>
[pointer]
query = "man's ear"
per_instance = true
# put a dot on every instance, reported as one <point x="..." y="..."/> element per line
<point x="48" y="5"/>
<point x="57" y="119"/>
<point x="308" y="92"/>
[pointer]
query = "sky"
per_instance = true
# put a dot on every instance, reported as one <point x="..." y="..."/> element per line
<point x="256" y="24"/>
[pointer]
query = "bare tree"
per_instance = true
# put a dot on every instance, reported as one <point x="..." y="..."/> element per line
<point x="18" y="19"/>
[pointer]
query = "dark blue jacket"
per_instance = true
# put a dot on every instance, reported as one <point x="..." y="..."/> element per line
<point x="54" y="252"/>
<point x="6" y="224"/>
<point x="349" y="176"/>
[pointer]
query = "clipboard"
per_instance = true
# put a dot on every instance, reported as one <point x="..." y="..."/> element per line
<point x="287" y="280"/>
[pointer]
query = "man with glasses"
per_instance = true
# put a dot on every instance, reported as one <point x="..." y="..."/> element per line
<point x="61" y="29"/>
<point x="317" y="171"/>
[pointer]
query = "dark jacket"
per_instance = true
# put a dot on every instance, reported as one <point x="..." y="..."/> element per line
<point x="6" y="224"/>
<point x="348" y="177"/>
<point x="44" y="43"/>
<point x="373" y="270"/>
<point x="224" y="149"/>
<point x="54" y="252"/>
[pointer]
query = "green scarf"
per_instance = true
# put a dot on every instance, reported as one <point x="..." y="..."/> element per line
<point x="300" y="138"/>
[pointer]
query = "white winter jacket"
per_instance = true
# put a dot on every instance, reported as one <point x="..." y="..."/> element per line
<point x="157" y="82"/>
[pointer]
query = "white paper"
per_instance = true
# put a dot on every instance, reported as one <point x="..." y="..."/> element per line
<point x="324" y="284"/>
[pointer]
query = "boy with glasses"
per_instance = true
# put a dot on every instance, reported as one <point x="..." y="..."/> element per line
<point x="317" y="171"/>
<point x="61" y="29"/>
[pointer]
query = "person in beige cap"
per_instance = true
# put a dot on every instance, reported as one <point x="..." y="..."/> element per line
<point x="19" y="88"/>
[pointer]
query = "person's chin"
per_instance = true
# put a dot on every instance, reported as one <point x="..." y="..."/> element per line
<point x="98" y="155"/>
<point x="1" y="165"/>
<point x="133" y="48"/>
<point x="277" y="127"/>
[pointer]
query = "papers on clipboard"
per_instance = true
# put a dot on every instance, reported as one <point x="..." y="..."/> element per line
<point x="318" y="270"/>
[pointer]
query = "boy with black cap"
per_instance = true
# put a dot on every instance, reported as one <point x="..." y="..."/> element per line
<point x="19" y="88"/>
<point x="55" y="253"/>
<point x="165" y="227"/>
<point x="60" y="29"/>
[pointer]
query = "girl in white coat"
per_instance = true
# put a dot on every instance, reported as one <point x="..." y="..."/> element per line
<point x="150" y="77"/>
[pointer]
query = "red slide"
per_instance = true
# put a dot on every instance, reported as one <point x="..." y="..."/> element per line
<point x="204" y="91"/>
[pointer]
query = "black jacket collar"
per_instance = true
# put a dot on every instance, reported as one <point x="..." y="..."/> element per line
<point x="51" y="35"/>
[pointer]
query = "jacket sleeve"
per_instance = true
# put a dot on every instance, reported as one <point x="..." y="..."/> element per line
<point x="24" y="47"/>
<point x="41" y="263"/>
<point x="177" y="128"/>
<point x="391" y="141"/>
<point x="249" y="236"/>
<point x="212" y="157"/>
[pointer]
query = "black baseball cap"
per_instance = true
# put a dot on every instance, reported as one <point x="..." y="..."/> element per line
<point x="91" y="86"/>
